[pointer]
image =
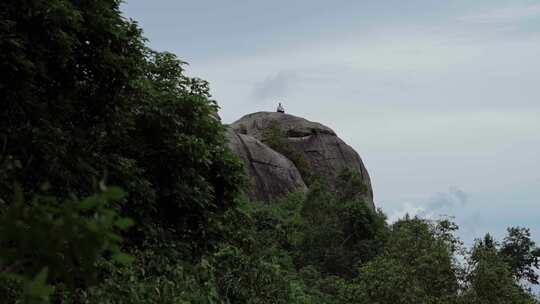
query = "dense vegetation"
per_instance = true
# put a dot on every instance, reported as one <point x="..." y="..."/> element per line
<point x="85" y="105"/>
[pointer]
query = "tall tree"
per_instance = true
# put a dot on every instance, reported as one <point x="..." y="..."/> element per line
<point x="491" y="279"/>
<point x="416" y="266"/>
<point x="83" y="100"/>
<point x="521" y="254"/>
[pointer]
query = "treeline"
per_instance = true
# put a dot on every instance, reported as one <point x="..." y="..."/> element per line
<point x="86" y="104"/>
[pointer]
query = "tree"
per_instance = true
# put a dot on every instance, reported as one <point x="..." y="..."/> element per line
<point x="68" y="66"/>
<point x="491" y="279"/>
<point x="388" y="280"/>
<point x="424" y="246"/>
<point x="43" y="241"/>
<point x="85" y="100"/>
<point x="416" y="266"/>
<point x="349" y="185"/>
<point x="520" y="252"/>
<point x="339" y="232"/>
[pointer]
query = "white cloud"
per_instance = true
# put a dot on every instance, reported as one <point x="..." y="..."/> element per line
<point x="438" y="205"/>
<point x="274" y="86"/>
<point x="408" y="209"/>
<point x="446" y="201"/>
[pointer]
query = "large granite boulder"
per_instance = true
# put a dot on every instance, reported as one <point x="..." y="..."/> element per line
<point x="325" y="152"/>
<point x="271" y="175"/>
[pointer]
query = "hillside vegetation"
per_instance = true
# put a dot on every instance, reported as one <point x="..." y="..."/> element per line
<point x="116" y="186"/>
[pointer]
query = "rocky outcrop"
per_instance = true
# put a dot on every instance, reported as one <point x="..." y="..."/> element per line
<point x="325" y="152"/>
<point x="270" y="174"/>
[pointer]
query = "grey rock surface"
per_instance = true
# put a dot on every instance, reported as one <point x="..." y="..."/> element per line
<point x="326" y="153"/>
<point x="271" y="175"/>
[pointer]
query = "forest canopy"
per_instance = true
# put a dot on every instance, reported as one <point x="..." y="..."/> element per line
<point x="116" y="186"/>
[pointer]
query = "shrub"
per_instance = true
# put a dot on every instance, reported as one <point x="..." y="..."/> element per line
<point x="45" y="241"/>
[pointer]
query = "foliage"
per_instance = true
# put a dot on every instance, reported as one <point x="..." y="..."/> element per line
<point x="521" y="254"/>
<point x="274" y="137"/>
<point x="339" y="233"/>
<point x="68" y="67"/>
<point x="47" y="241"/>
<point x="349" y="185"/>
<point x="491" y="279"/>
<point x="388" y="280"/>
<point x="250" y="278"/>
<point x="416" y="266"/>
<point x="153" y="278"/>
<point x="83" y="99"/>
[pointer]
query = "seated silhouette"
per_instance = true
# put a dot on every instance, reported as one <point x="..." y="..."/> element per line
<point x="280" y="108"/>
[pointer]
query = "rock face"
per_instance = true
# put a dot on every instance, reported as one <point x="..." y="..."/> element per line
<point x="325" y="152"/>
<point x="271" y="175"/>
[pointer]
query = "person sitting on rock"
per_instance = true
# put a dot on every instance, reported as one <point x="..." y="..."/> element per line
<point x="280" y="108"/>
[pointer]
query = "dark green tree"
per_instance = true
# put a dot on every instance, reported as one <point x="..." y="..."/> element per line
<point x="387" y="280"/>
<point x="83" y="100"/>
<point x="44" y="241"/>
<point x="416" y="266"/>
<point x="339" y="232"/>
<point x="521" y="254"/>
<point x="491" y="279"/>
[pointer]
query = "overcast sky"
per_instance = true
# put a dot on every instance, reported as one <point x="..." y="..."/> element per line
<point x="440" y="98"/>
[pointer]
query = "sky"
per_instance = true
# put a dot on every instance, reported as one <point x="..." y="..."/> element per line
<point x="440" y="98"/>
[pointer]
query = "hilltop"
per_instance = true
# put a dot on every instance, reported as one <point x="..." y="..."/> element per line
<point x="283" y="153"/>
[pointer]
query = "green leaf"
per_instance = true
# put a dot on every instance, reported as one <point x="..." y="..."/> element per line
<point x="88" y="203"/>
<point x="37" y="290"/>
<point x="123" y="258"/>
<point x="113" y="193"/>
<point x="124" y="223"/>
